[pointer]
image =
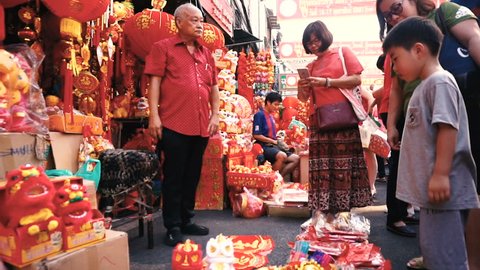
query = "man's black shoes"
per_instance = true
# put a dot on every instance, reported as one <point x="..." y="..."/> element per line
<point x="411" y="220"/>
<point x="173" y="237"/>
<point x="405" y="230"/>
<point x="194" y="229"/>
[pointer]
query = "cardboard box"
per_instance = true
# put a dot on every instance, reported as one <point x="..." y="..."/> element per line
<point x="19" y="248"/>
<point x="251" y="180"/>
<point x="17" y="149"/>
<point x="111" y="254"/>
<point x="278" y="210"/>
<point x="210" y="190"/>
<point x="91" y="192"/>
<point x="74" y="238"/>
<point x="66" y="124"/>
<point x="65" y="148"/>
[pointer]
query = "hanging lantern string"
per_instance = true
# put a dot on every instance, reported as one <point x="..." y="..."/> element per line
<point x="157" y="5"/>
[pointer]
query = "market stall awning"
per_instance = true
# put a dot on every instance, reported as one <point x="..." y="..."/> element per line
<point x="242" y="37"/>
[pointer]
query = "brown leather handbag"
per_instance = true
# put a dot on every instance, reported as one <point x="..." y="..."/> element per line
<point x="335" y="116"/>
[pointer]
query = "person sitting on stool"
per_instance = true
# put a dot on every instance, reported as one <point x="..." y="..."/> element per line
<point x="264" y="132"/>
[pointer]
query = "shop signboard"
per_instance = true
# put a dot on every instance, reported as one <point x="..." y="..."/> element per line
<point x="353" y="24"/>
<point x="221" y="12"/>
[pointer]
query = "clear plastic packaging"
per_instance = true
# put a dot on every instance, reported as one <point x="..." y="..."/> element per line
<point x="22" y="105"/>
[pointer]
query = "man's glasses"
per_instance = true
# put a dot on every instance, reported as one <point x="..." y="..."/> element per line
<point x="395" y="9"/>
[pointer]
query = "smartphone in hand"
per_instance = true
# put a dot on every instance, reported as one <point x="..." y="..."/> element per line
<point x="303" y="73"/>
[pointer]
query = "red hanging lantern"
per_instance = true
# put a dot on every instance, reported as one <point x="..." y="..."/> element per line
<point x="80" y="10"/>
<point x="290" y="102"/>
<point x="2" y="23"/>
<point x="146" y="28"/>
<point x="212" y="37"/>
<point x="12" y="3"/>
<point x="288" y="114"/>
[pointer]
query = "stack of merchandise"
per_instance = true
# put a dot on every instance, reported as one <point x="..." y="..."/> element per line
<point x="41" y="217"/>
<point x="224" y="252"/>
<point x="337" y="242"/>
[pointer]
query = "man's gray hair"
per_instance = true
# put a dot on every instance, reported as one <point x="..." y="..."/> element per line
<point x="184" y="8"/>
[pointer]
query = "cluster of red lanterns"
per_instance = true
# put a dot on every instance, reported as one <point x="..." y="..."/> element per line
<point x="152" y="25"/>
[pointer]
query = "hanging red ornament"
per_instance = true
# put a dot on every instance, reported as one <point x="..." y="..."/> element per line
<point x="12" y="3"/>
<point x="80" y="10"/>
<point x="290" y="102"/>
<point x="212" y="37"/>
<point x="2" y="23"/>
<point x="146" y="28"/>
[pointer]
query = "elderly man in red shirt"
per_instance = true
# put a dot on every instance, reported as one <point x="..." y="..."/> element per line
<point x="184" y="104"/>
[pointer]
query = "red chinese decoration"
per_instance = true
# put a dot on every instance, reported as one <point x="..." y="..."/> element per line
<point x="146" y="28"/>
<point x="290" y="102"/>
<point x="12" y="3"/>
<point x="2" y="23"/>
<point x="244" y="86"/>
<point x="187" y="256"/>
<point x="212" y="37"/>
<point x="80" y="10"/>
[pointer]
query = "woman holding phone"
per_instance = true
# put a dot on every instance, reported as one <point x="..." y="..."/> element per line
<point x="337" y="171"/>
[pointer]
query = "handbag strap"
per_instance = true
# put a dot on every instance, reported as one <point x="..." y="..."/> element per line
<point x="353" y="95"/>
<point x="340" y="54"/>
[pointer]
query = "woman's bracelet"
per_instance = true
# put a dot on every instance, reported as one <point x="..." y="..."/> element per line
<point x="327" y="82"/>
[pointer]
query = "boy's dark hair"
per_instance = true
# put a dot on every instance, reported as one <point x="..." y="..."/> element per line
<point x="414" y="30"/>
<point x="272" y="97"/>
<point x="320" y="30"/>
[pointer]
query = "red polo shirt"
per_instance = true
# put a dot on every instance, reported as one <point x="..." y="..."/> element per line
<point x="187" y="80"/>
<point x="330" y="65"/>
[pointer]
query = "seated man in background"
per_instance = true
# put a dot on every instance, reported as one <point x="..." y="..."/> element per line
<point x="264" y="132"/>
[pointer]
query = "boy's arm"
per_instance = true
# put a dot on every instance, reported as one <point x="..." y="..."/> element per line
<point x="439" y="184"/>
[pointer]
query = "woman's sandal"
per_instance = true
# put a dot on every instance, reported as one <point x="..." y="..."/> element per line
<point x="416" y="263"/>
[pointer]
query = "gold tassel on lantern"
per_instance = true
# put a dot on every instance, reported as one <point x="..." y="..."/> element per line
<point x="71" y="29"/>
<point x="158" y="4"/>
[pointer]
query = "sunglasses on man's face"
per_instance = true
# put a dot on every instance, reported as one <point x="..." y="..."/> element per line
<point x="395" y="9"/>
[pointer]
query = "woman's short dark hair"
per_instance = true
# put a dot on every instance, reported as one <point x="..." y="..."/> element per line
<point x="320" y="30"/>
<point x="272" y="97"/>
